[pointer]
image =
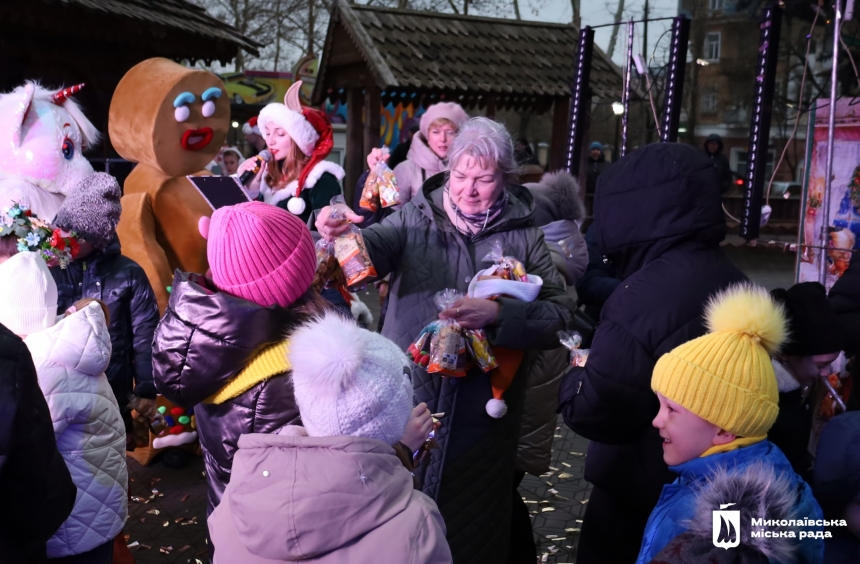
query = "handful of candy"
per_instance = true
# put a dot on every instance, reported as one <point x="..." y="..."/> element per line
<point x="506" y="268"/>
<point x="571" y="340"/>
<point x="442" y="346"/>
<point x="380" y="188"/>
<point x="349" y="250"/>
<point x="329" y="274"/>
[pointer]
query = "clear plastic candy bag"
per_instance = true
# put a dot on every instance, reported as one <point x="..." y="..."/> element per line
<point x="380" y="188"/>
<point x="571" y="340"/>
<point x="350" y="250"/>
<point x="506" y="268"/>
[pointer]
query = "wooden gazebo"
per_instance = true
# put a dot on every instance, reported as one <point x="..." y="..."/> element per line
<point x="373" y="56"/>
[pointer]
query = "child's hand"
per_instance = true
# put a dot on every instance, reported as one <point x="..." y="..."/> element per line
<point x="418" y="428"/>
<point x="146" y="407"/>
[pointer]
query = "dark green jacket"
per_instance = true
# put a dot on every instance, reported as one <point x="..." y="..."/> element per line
<point x="322" y="185"/>
<point x="470" y="475"/>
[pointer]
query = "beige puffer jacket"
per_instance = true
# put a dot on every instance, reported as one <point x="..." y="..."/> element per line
<point x="421" y="163"/>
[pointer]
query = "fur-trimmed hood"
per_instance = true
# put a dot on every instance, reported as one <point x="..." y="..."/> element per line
<point x="557" y="197"/>
<point x="760" y="483"/>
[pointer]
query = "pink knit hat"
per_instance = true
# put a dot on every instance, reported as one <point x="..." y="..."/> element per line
<point x="451" y="111"/>
<point x="259" y="252"/>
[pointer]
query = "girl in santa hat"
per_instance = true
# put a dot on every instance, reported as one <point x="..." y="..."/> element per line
<point x="297" y="178"/>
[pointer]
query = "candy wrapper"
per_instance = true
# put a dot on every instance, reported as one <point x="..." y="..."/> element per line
<point x="506" y="268"/>
<point x="571" y="340"/>
<point x="350" y="250"/>
<point x="329" y="274"/>
<point x="380" y="188"/>
<point x="386" y="182"/>
<point x="446" y="348"/>
<point x="370" y="193"/>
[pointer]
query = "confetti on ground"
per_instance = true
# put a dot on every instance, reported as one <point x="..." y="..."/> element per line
<point x="565" y="476"/>
<point x="185" y="497"/>
<point x="134" y="544"/>
<point x="546" y="509"/>
<point x="153" y="512"/>
<point x="566" y="464"/>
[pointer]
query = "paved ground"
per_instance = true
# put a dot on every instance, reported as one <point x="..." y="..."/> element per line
<point x="556" y="501"/>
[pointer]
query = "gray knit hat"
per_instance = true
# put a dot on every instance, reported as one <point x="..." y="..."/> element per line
<point x="92" y="210"/>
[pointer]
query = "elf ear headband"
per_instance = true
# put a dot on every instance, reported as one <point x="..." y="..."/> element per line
<point x="292" y="99"/>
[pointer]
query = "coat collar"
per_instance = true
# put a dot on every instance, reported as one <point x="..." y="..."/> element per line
<point x="274" y="197"/>
<point x="702" y="467"/>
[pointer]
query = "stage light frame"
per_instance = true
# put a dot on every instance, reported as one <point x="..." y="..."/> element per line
<point x="580" y="99"/>
<point x="673" y="98"/>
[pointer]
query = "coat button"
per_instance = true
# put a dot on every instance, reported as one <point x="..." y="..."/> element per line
<point x="468" y="279"/>
<point x="265" y="473"/>
<point x="363" y="478"/>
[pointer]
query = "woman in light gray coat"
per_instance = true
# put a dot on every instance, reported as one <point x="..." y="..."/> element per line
<point x="438" y="241"/>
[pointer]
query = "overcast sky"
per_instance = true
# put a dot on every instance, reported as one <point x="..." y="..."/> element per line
<point x="597" y="12"/>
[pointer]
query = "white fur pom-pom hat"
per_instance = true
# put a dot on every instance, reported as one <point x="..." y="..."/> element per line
<point x="349" y="381"/>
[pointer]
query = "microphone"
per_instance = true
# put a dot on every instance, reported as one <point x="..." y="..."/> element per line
<point x="249" y="175"/>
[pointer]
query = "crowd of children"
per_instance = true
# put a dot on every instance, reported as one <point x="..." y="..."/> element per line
<point x="309" y="454"/>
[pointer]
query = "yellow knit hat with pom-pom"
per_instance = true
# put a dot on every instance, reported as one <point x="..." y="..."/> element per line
<point x="726" y="377"/>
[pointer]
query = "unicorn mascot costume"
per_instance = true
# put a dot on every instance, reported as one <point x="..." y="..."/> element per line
<point x="44" y="135"/>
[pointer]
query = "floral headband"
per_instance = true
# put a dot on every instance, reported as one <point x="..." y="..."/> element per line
<point x="56" y="246"/>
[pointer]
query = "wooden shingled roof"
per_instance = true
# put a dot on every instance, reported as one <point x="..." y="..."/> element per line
<point x="405" y="52"/>
<point x="161" y="20"/>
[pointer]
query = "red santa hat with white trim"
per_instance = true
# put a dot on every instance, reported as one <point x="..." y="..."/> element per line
<point x="250" y="127"/>
<point x="310" y="130"/>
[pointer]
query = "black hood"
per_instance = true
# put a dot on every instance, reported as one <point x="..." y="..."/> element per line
<point x="657" y="198"/>
<point x="718" y="139"/>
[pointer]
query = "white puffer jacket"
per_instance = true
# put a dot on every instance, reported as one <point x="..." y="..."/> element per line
<point x="70" y="359"/>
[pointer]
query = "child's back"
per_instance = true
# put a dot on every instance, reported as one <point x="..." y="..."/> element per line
<point x="70" y="359"/>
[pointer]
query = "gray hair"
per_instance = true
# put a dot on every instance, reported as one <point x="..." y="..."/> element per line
<point x="483" y="138"/>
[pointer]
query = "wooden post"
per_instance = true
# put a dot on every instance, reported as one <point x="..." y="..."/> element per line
<point x="491" y="106"/>
<point x="355" y="157"/>
<point x="558" y="139"/>
<point x="372" y="118"/>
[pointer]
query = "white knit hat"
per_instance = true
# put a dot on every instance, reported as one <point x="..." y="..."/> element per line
<point x="297" y="127"/>
<point x="28" y="294"/>
<point x="349" y="381"/>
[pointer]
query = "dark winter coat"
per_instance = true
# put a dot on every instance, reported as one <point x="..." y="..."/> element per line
<point x="35" y="485"/>
<point x="658" y="218"/>
<point x="205" y="338"/>
<point x="844" y="298"/>
<point x="470" y="475"/>
<point x="596" y="167"/>
<point x="721" y="163"/>
<point x="122" y="284"/>
<point x="837" y="482"/>
<point x="793" y="425"/>
<point x="599" y="280"/>
<point x="761" y="485"/>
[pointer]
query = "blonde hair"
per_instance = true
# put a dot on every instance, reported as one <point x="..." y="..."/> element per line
<point x="84" y="302"/>
<point x="439" y="122"/>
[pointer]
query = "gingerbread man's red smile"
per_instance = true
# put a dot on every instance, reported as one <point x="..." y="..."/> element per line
<point x="196" y="139"/>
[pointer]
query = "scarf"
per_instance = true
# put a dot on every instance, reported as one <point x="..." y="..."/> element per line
<point x="482" y="219"/>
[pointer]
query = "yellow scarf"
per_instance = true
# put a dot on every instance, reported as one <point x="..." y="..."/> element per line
<point x="270" y="362"/>
<point x="739" y="442"/>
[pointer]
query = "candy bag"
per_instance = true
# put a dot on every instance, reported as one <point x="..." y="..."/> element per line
<point x="571" y="340"/>
<point x="447" y="343"/>
<point x="479" y="347"/>
<point x="370" y="193"/>
<point x="506" y="268"/>
<point x="419" y="350"/>
<point x="329" y="273"/>
<point x="350" y="250"/>
<point x="386" y="184"/>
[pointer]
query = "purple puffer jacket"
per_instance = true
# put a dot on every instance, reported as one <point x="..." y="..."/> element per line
<point x="204" y="339"/>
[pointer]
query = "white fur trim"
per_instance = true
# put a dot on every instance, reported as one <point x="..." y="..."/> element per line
<point x="174" y="440"/>
<point x="496" y="408"/>
<point x="248" y="130"/>
<point x="785" y="382"/>
<point x="525" y="291"/>
<point x="321" y="168"/>
<point x="277" y="196"/>
<point x="297" y="127"/>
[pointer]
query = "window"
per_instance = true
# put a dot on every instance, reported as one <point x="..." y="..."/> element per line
<point x="712" y="46"/>
<point x="709" y="101"/>
<point x="715" y="5"/>
<point x="738" y="162"/>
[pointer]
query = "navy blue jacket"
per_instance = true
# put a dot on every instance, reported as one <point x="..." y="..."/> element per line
<point x="122" y="284"/>
<point x="599" y="280"/>
<point x="659" y="220"/>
